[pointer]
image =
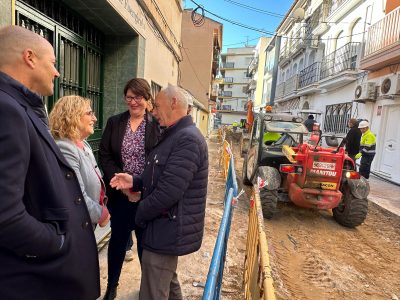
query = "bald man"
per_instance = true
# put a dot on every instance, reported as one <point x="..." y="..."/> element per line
<point x="47" y="246"/>
<point x="174" y="189"/>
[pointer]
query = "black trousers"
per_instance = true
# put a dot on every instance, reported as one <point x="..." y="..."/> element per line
<point x="365" y="165"/>
<point x="122" y="223"/>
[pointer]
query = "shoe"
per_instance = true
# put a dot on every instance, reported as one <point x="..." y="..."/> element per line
<point x="128" y="255"/>
<point x="111" y="293"/>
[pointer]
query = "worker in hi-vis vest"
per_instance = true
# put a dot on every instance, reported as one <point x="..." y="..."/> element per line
<point x="367" y="149"/>
<point x="271" y="137"/>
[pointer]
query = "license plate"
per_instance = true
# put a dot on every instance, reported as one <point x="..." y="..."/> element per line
<point x="324" y="165"/>
<point x="328" y="185"/>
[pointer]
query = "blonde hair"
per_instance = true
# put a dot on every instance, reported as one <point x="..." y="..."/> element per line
<point x="65" y="117"/>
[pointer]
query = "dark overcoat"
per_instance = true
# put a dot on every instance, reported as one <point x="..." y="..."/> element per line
<point x="47" y="245"/>
<point x="174" y="185"/>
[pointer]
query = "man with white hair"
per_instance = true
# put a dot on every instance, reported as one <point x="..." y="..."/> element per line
<point x="367" y="149"/>
<point x="47" y="246"/>
<point x="174" y="189"/>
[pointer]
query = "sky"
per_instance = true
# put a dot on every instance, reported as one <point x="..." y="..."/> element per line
<point x="265" y="15"/>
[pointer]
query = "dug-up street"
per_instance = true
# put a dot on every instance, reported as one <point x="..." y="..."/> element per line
<point x="312" y="256"/>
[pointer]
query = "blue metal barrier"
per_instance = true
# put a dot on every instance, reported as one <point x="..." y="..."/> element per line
<point x="213" y="288"/>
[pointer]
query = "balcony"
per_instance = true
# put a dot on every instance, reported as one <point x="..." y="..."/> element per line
<point x="339" y="8"/>
<point x="228" y="65"/>
<point x="291" y="86"/>
<point x="320" y="26"/>
<point x="252" y="85"/>
<point x="383" y="42"/>
<point x="228" y="80"/>
<point x="280" y="90"/>
<point x="225" y="94"/>
<point x="284" y="55"/>
<point x="298" y="42"/>
<point x="309" y="77"/>
<point x="339" y="67"/>
<point x="252" y="66"/>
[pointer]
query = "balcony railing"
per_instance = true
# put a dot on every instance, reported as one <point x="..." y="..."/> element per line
<point x="310" y="75"/>
<point x="280" y="90"/>
<point x="334" y="5"/>
<point x="228" y="79"/>
<point x="284" y="53"/>
<point x="298" y="40"/>
<point x="225" y="93"/>
<point x="384" y="33"/>
<point x="344" y="58"/>
<point x="291" y="85"/>
<point x="228" y="65"/>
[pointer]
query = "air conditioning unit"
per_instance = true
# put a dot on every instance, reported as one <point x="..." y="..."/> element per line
<point x="390" y="85"/>
<point x="365" y="92"/>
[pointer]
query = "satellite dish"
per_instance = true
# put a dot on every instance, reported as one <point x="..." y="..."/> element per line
<point x="298" y="14"/>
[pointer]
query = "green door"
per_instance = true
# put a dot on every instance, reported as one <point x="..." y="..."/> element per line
<point x="78" y="49"/>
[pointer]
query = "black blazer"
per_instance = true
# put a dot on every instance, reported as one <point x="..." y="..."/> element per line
<point x="110" y="158"/>
<point x="40" y="205"/>
<point x="352" y="141"/>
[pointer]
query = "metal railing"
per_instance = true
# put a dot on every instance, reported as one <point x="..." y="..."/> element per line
<point x="310" y="75"/>
<point x="280" y="90"/>
<point x="228" y="65"/>
<point x="337" y="116"/>
<point x="344" y="58"/>
<point x="384" y="33"/>
<point x="225" y="93"/>
<point x="333" y="5"/>
<point x="257" y="277"/>
<point x="298" y="41"/>
<point x="284" y="53"/>
<point x="228" y="79"/>
<point x="291" y="85"/>
<point x="213" y="285"/>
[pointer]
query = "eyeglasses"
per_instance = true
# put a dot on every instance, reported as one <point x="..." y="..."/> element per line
<point x="136" y="98"/>
<point x="90" y="113"/>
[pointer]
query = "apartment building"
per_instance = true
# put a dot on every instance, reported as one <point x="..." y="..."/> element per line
<point x="201" y="48"/>
<point x="255" y="71"/>
<point x="100" y="45"/>
<point x="232" y="95"/>
<point x="380" y="90"/>
<point x="334" y="58"/>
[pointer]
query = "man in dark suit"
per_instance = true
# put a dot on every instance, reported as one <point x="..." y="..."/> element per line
<point x="174" y="189"/>
<point x="353" y="139"/>
<point x="47" y="245"/>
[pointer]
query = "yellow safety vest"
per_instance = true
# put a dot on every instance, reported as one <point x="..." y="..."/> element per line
<point x="368" y="143"/>
<point x="271" y="136"/>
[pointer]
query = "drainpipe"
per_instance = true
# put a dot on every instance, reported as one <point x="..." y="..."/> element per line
<point x="275" y="69"/>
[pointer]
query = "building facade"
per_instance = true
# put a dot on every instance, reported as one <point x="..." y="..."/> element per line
<point x="201" y="47"/>
<point x="255" y="70"/>
<point x="334" y="58"/>
<point x="232" y="95"/>
<point x="100" y="45"/>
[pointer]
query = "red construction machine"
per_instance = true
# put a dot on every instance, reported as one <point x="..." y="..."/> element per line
<point x="294" y="167"/>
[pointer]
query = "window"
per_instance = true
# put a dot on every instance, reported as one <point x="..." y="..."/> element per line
<point x="79" y="53"/>
<point x="337" y="117"/>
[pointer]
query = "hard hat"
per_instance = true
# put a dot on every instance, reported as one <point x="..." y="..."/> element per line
<point x="363" y="124"/>
<point x="268" y="108"/>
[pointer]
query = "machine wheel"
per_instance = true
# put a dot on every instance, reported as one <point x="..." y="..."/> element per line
<point x="268" y="203"/>
<point x="352" y="211"/>
<point x="245" y="180"/>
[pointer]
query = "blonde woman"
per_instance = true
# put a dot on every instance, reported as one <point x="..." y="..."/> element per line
<point x="72" y="121"/>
